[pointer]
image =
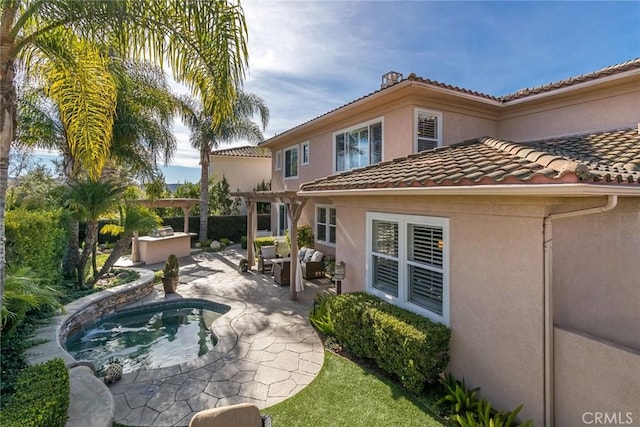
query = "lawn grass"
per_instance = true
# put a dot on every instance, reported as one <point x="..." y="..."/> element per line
<point x="345" y="394"/>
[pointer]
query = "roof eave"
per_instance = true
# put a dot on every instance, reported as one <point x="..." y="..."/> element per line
<point x="570" y="190"/>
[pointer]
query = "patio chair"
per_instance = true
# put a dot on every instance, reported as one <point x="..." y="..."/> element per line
<point x="281" y="272"/>
<point x="311" y="263"/>
<point x="265" y="260"/>
<point x="243" y="414"/>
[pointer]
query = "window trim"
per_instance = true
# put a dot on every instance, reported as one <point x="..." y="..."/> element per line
<point x="327" y="224"/>
<point x="402" y="300"/>
<point x="284" y="161"/>
<point x="278" y="160"/>
<point x="302" y="149"/>
<point x="352" y="128"/>
<point x="416" y="113"/>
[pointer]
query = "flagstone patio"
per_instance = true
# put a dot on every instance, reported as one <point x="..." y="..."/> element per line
<point x="270" y="350"/>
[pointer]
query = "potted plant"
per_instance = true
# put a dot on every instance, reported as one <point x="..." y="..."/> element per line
<point x="243" y="265"/>
<point x="170" y="274"/>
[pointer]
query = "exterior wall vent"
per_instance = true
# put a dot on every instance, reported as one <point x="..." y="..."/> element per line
<point x="390" y="78"/>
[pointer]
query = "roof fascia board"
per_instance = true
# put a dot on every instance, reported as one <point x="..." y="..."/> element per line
<point x="575" y="190"/>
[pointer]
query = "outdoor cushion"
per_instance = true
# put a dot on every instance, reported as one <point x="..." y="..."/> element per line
<point x="302" y="252"/>
<point x="317" y="256"/>
<point x="268" y="251"/>
<point x="308" y="255"/>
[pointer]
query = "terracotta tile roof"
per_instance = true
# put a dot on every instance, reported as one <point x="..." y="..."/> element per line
<point x="523" y="93"/>
<point x="607" y="71"/>
<point x="246" y="151"/>
<point x="611" y="157"/>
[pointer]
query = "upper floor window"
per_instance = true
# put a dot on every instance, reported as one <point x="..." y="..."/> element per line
<point x="428" y="130"/>
<point x="291" y="162"/>
<point x="278" y="160"/>
<point x="305" y="153"/>
<point x="326" y="224"/>
<point x="358" y="146"/>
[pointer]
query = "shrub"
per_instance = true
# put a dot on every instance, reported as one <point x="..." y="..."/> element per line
<point x="263" y="241"/>
<point x="36" y="239"/>
<point x="41" y="398"/>
<point x="404" y="344"/>
<point x="243" y="242"/>
<point x="320" y="315"/>
<point x="408" y="345"/>
<point x="353" y="327"/>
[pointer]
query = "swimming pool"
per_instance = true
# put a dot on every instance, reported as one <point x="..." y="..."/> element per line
<point x="149" y="337"/>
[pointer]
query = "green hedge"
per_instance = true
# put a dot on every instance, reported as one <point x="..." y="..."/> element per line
<point x="41" y="398"/>
<point x="36" y="239"/>
<point x="404" y="344"/>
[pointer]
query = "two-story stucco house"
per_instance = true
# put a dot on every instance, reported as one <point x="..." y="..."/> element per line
<point x="514" y="220"/>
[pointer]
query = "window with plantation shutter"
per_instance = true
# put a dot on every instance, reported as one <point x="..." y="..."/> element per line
<point x="358" y="146"/>
<point x="326" y="221"/>
<point x="428" y="130"/>
<point x="408" y="262"/>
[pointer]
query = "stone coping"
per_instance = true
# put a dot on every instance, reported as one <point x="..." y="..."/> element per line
<point x="86" y="389"/>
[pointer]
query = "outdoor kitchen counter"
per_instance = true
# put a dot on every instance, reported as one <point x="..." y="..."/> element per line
<point x="157" y="249"/>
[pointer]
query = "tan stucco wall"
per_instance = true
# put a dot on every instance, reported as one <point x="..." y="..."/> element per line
<point x="243" y="173"/>
<point x="597" y="273"/>
<point x="592" y="376"/>
<point x="612" y="108"/>
<point x="398" y="137"/>
<point x="496" y="287"/>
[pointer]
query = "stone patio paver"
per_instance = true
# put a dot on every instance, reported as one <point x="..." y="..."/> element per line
<point x="267" y="351"/>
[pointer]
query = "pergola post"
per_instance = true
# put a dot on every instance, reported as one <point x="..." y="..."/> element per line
<point x="294" y="211"/>
<point x="252" y="220"/>
<point x="135" y="248"/>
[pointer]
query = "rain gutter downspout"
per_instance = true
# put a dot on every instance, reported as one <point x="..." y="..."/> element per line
<point x="548" y="300"/>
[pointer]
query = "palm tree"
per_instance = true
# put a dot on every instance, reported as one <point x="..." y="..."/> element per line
<point x="207" y="135"/>
<point x="204" y="44"/>
<point x="132" y="218"/>
<point x="88" y="200"/>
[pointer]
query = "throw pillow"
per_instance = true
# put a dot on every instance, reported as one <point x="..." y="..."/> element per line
<point x="317" y="256"/>
<point x="268" y="251"/>
<point x="302" y="252"/>
<point x="308" y="255"/>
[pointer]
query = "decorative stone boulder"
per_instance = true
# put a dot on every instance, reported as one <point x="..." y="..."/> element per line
<point x="215" y="245"/>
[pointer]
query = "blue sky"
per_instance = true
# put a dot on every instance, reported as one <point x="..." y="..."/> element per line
<point x="309" y="57"/>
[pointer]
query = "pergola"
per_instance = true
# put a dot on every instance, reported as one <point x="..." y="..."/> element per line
<point x="185" y="204"/>
<point x="294" y="204"/>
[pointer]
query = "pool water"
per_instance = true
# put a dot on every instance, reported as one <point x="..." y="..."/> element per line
<point x="149" y="337"/>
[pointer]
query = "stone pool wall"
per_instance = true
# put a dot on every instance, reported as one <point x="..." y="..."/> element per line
<point x="103" y="303"/>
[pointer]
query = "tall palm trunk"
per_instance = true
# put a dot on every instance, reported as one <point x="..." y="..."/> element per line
<point x="89" y="242"/>
<point x="8" y="115"/>
<point x="72" y="255"/>
<point x="204" y="192"/>
<point x="118" y="249"/>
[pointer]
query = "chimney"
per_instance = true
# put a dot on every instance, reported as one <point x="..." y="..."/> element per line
<point x="390" y="78"/>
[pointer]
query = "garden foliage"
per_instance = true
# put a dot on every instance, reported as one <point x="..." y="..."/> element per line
<point x="41" y="398"/>
<point x="36" y="239"/>
<point x="404" y="344"/>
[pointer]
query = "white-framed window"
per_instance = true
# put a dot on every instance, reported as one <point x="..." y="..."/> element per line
<point x="291" y="162"/>
<point x="408" y="262"/>
<point x="305" y="153"/>
<point x="428" y="129"/>
<point x="326" y="220"/>
<point x="358" y="146"/>
<point x="278" y="160"/>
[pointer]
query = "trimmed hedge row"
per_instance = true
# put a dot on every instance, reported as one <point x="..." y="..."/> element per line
<point x="230" y="226"/>
<point x="41" y="398"/>
<point x="404" y="344"/>
<point x="36" y="239"/>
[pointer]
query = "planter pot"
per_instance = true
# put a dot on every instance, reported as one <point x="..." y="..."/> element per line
<point x="170" y="284"/>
